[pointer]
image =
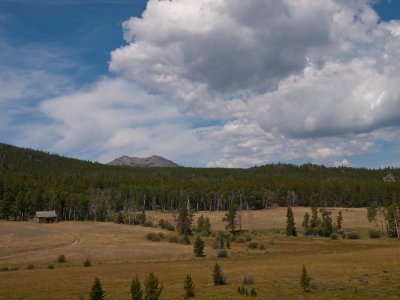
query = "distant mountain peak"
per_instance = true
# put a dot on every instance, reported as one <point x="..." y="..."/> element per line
<point x="146" y="162"/>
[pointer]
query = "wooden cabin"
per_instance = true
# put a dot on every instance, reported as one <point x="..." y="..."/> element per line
<point x="45" y="216"/>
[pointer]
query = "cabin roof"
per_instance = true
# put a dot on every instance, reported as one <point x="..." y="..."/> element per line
<point x="46" y="214"/>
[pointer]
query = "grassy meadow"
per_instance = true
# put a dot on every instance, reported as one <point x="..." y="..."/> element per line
<point x="340" y="269"/>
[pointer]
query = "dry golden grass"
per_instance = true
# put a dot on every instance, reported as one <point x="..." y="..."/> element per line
<point x="342" y="269"/>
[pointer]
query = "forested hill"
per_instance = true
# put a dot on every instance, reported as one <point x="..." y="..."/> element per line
<point x="33" y="180"/>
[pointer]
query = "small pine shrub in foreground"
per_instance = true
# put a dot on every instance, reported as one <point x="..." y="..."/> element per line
<point x="87" y="263"/>
<point x="353" y="236"/>
<point x="61" y="259"/>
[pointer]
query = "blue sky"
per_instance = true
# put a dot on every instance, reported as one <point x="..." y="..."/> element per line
<point x="201" y="83"/>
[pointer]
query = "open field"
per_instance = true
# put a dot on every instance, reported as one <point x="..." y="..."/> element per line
<point x="342" y="269"/>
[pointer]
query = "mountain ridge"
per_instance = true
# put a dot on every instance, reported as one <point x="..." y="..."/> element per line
<point x="143" y="162"/>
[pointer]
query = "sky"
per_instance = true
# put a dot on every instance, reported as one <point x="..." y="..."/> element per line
<point x="205" y="83"/>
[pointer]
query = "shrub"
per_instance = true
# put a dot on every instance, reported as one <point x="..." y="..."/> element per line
<point x="174" y="239"/>
<point x="248" y="279"/>
<point x="148" y="223"/>
<point x="353" y="236"/>
<point x="334" y="236"/>
<point x="61" y="259"/>
<point x="50" y="266"/>
<point x="4" y="269"/>
<point x="253" y="292"/>
<point x="248" y="238"/>
<point x="30" y="266"/>
<point x="261" y="246"/>
<point x="87" y="263"/>
<point x="374" y="234"/>
<point x="240" y="240"/>
<point x="242" y="291"/>
<point x="166" y="225"/>
<point x="154" y="237"/>
<point x="223" y="253"/>
<point x="252" y="245"/>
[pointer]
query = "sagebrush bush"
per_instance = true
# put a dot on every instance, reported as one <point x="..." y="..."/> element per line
<point x="334" y="236"/>
<point x="148" y="223"/>
<point x="166" y="225"/>
<point x="50" y="266"/>
<point x="374" y="234"/>
<point x="252" y="245"/>
<point x="261" y="246"/>
<point x="353" y="236"/>
<point x="223" y="253"/>
<point x="61" y="259"/>
<point x="240" y="240"/>
<point x="4" y="269"/>
<point x="154" y="237"/>
<point x="174" y="239"/>
<point x="248" y="279"/>
<point x="87" y="263"/>
<point x="30" y="266"/>
<point x="248" y="238"/>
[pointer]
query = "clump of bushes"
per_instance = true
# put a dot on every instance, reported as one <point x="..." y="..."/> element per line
<point x="244" y="292"/>
<point x="334" y="236"/>
<point x="4" y="269"/>
<point x="223" y="253"/>
<point x="148" y="223"/>
<point x="173" y="239"/>
<point x="154" y="237"/>
<point x="30" y="267"/>
<point x="87" y="263"/>
<point x="166" y="225"/>
<point x="253" y="245"/>
<point x="353" y="236"/>
<point x="374" y="234"/>
<point x="61" y="259"/>
<point x="50" y="266"/>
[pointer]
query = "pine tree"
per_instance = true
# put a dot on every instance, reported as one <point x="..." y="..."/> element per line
<point x="152" y="288"/>
<point x="184" y="221"/>
<point x="231" y="218"/>
<point x="305" y="280"/>
<point x="198" y="247"/>
<point x="305" y="224"/>
<point x="290" y="225"/>
<point x="339" y="221"/>
<point x="188" y="287"/>
<point x="314" y="221"/>
<point x="136" y="289"/>
<point x="96" y="293"/>
<point x="120" y="218"/>
<point x="218" y="276"/>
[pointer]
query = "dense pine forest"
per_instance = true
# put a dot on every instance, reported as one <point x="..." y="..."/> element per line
<point x="33" y="180"/>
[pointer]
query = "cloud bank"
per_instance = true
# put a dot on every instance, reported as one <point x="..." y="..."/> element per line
<point x="287" y="80"/>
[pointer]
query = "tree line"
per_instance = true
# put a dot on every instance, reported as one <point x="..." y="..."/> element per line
<point x="79" y="190"/>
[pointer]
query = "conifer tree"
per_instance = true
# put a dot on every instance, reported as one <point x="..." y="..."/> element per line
<point x="231" y="218"/>
<point x="305" y="280"/>
<point x="188" y="287"/>
<point x="120" y="218"/>
<point x="136" y="289"/>
<point x="290" y="225"/>
<point x="152" y="288"/>
<point x="339" y="221"/>
<point x="184" y="221"/>
<point x="218" y="276"/>
<point x="96" y="293"/>
<point x="198" y="247"/>
<point x="305" y="224"/>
